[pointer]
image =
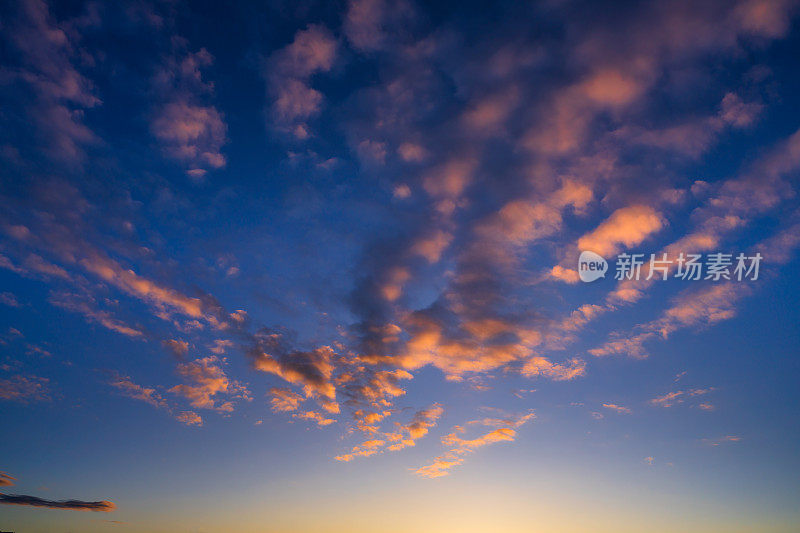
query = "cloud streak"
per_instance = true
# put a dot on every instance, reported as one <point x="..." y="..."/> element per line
<point x="73" y="505"/>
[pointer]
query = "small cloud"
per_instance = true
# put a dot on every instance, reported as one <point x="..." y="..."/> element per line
<point x="206" y="382"/>
<point x="137" y="392"/>
<point x="722" y="440"/>
<point x="459" y="447"/>
<point x="412" y="153"/>
<point x="6" y="480"/>
<point x="75" y="505"/>
<point x="401" y="192"/>
<point x="317" y="417"/>
<point x="678" y="397"/>
<point x="178" y="348"/>
<point x="625" y="227"/>
<point x="24" y="388"/>
<point x="618" y="408"/>
<point x="284" y="400"/>
<point x="190" y="418"/>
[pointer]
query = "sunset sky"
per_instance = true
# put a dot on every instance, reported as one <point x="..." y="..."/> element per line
<point x="303" y="266"/>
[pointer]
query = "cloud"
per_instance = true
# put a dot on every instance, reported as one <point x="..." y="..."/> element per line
<point x="21" y="388"/>
<point x="137" y="392"/>
<point x="371" y="25"/>
<point x="162" y="297"/>
<point x="626" y="227"/>
<point x="75" y="505"/>
<point x="193" y="134"/>
<point x="64" y="236"/>
<point x="179" y="348"/>
<point x="151" y="396"/>
<point x="46" y="62"/>
<point x="365" y="449"/>
<point x="459" y="447"/>
<point x="190" y="418"/>
<point x="618" y="408"/>
<point x="190" y="130"/>
<point x="363" y="22"/>
<point x="432" y="245"/>
<point x="693" y="308"/>
<point x="408" y="434"/>
<point x="85" y="305"/>
<point x="423" y="421"/>
<point x="722" y="440"/>
<point x="9" y="299"/>
<point x="511" y="422"/>
<point x="6" y="480"/>
<point x="678" y="397"/>
<point x="288" y="74"/>
<point x="317" y="417"/>
<point x="207" y="381"/>
<point x="284" y="400"/>
<point x="480" y="168"/>
<point x="313" y="370"/>
<point x="399" y="437"/>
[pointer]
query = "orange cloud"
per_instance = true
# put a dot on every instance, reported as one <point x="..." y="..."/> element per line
<point x="192" y="133"/>
<point x="459" y="447"/>
<point x="137" y="392"/>
<point x="315" y="416"/>
<point x="611" y="87"/>
<point x="284" y="400"/>
<point x="432" y="245"/>
<point x="678" y="397"/>
<point x="135" y="285"/>
<point x="627" y="226"/>
<point x="177" y="347"/>
<point x="207" y="380"/>
<point x="190" y="418"/>
<point x="313" y="370"/>
<point x="85" y="307"/>
<point x="618" y="408"/>
<point x="24" y="388"/>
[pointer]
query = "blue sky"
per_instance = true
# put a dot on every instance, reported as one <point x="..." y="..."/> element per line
<point x="303" y="266"/>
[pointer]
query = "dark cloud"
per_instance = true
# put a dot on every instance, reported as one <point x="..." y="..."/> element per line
<point x="75" y="505"/>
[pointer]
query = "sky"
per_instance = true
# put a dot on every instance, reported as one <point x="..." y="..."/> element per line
<point x="301" y="266"/>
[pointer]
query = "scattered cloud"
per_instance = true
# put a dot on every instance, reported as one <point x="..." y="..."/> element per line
<point x="618" y="408"/>
<point x="459" y="447"/>
<point x="24" y="389"/>
<point x="206" y="383"/>
<point x="671" y="399"/>
<point x="288" y="74"/>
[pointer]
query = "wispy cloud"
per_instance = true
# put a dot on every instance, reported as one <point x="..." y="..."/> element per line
<point x="23" y="388"/>
<point x="74" y="505"/>
<point x="459" y="447"/>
